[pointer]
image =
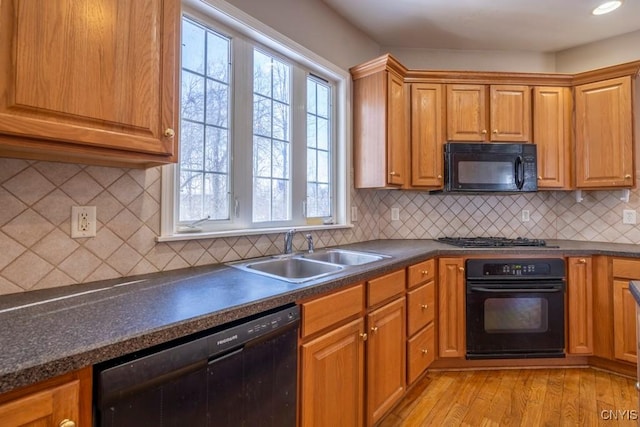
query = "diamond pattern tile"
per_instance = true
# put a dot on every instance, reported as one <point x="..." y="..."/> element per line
<point x="36" y="198"/>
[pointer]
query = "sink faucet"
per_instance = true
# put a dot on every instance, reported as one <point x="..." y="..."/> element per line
<point x="309" y="238"/>
<point x="288" y="241"/>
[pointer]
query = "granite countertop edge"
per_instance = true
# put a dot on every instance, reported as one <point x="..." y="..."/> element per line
<point x="32" y="359"/>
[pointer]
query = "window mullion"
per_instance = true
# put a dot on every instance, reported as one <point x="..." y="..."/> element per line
<point x="298" y="145"/>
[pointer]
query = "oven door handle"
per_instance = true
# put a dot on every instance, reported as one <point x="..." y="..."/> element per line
<point x="503" y="290"/>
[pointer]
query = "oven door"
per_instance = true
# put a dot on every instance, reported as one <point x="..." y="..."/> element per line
<point x="515" y="319"/>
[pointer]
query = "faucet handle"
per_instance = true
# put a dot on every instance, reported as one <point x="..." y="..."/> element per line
<point x="309" y="238"/>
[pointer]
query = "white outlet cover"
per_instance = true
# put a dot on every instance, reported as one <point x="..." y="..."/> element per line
<point x="628" y="216"/>
<point x="395" y="214"/>
<point x="83" y="228"/>
<point x="525" y="215"/>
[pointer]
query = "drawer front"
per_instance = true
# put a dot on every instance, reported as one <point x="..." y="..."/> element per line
<point x="420" y="273"/>
<point x="421" y="351"/>
<point x="421" y="307"/>
<point x="385" y="287"/>
<point x="328" y="310"/>
<point x="628" y="268"/>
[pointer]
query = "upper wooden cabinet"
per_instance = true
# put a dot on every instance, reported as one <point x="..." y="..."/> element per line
<point x="604" y="135"/>
<point x="427" y="135"/>
<point x="379" y="124"/>
<point x="504" y="115"/>
<point x="92" y="81"/>
<point x="552" y="136"/>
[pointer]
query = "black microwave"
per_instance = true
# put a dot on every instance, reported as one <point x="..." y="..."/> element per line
<point x="490" y="167"/>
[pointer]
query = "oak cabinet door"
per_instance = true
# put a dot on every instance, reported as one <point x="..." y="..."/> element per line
<point x="451" y="307"/>
<point x="580" y="297"/>
<point x="427" y="135"/>
<point x="624" y="322"/>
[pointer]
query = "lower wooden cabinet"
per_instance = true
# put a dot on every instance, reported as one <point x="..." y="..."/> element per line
<point x="624" y="322"/>
<point x="580" y="305"/>
<point x="63" y="401"/>
<point x="386" y="358"/>
<point x="332" y="378"/>
<point x="451" y="308"/>
<point x="421" y="352"/>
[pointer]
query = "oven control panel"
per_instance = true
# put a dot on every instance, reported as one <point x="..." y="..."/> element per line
<point x="533" y="268"/>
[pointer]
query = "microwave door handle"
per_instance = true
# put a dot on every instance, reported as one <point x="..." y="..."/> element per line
<point x="519" y="172"/>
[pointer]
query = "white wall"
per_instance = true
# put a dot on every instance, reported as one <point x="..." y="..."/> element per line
<point x="315" y="26"/>
<point x="474" y="60"/>
<point x="603" y="53"/>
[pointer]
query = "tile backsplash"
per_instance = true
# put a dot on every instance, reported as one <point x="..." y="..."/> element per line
<point x="37" y="252"/>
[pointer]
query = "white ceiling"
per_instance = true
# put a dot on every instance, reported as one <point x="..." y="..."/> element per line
<point x="515" y="25"/>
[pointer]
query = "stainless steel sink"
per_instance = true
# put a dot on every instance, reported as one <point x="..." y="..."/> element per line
<point x="291" y="269"/>
<point x="344" y="257"/>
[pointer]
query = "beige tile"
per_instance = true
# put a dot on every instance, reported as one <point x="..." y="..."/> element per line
<point x="54" y="279"/>
<point x="55" y="247"/>
<point x="9" y="250"/>
<point x="29" y="186"/>
<point x="28" y="228"/>
<point x="80" y="264"/>
<point x="124" y="259"/>
<point x="103" y="175"/>
<point x="125" y="189"/>
<point x="11" y="206"/>
<point x="125" y="224"/>
<point x="56" y="207"/>
<point x="26" y="270"/>
<point x="104" y="244"/>
<point x="57" y="173"/>
<point x="82" y="188"/>
<point x="6" y="287"/>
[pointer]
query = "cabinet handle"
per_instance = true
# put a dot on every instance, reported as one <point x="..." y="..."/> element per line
<point x="424" y="306"/>
<point x="424" y="351"/>
<point x="374" y="329"/>
<point x="439" y="176"/>
<point x="461" y="269"/>
<point x="364" y="336"/>
<point x="67" y="423"/>
<point x="424" y="272"/>
<point x="638" y="386"/>
<point x="582" y="261"/>
<point x="495" y="131"/>
<point x="484" y="131"/>
<point x="169" y="133"/>
<point x="627" y="176"/>
<point x="394" y="174"/>
<point x="539" y="177"/>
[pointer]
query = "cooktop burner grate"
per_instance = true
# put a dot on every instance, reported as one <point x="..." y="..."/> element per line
<point x="492" y="242"/>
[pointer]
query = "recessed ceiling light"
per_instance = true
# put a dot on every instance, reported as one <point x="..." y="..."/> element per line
<point x="606" y="7"/>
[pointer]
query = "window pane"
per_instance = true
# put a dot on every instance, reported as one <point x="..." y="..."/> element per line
<point x="319" y="182"/>
<point x="204" y="166"/>
<point x="271" y="138"/>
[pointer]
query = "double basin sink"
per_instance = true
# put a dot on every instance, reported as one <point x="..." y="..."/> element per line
<point x="298" y="268"/>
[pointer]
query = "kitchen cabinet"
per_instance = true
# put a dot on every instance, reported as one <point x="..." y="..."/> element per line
<point x="64" y="401"/>
<point x="386" y="358"/>
<point x="427" y="135"/>
<point x="552" y="135"/>
<point x="332" y="364"/>
<point x="451" y="307"/>
<point x="580" y="305"/>
<point x="625" y="345"/>
<point x="92" y="81"/>
<point x="604" y="134"/>
<point x="379" y="125"/>
<point x="488" y="113"/>
<point x="420" y="318"/>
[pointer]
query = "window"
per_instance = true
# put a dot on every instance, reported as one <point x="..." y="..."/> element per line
<point x="262" y="135"/>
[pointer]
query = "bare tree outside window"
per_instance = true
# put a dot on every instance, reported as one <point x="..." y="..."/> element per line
<point x="318" y="148"/>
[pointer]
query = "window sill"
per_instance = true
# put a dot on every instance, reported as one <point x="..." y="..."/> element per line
<point x="175" y="237"/>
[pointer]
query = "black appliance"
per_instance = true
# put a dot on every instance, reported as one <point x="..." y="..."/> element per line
<point x="490" y="167"/>
<point x="515" y="308"/>
<point x="242" y="374"/>
<point x="493" y="242"/>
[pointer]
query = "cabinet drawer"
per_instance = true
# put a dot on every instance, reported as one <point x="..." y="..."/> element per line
<point x="420" y="273"/>
<point x="421" y="351"/>
<point x="385" y="287"/>
<point x="328" y="310"/>
<point x="629" y="268"/>
<point x="421" y="307"/>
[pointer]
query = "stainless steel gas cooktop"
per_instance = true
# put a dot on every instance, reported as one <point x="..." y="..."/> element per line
<point x="493" y="242"/>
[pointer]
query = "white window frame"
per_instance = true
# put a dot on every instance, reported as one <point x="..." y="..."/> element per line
<point x="237" y="21"/>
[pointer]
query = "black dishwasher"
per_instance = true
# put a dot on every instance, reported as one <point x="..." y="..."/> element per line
<point x="241" y="374"/>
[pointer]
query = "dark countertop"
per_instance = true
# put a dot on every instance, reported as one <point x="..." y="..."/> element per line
<point x="50" y="332"/>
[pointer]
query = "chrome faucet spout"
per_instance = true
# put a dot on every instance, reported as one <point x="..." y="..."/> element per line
<point x="288" y="241"/>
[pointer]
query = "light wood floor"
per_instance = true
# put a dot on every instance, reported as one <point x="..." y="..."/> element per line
<point x="519" y="397"/>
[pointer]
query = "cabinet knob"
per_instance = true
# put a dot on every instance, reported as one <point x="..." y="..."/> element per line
<point x="424" y="272"/>
<point x="394" y="174"/>
<point x="582" y="261"/>
<point x="439" y="176"/>
<point x="169" y="133"/>
<point x="539" y="177"/>
<point x="483" y="131"/>
<point x="638" y="386"/>
<point x="627" y="176"/>
<point x="424" y="351"/>
<point x="364" y="336"/>
<point x="374" y="329"/>
<point x="67" y="423"/>
<point x="495" y="131"/>
<point x="461" y="269"/>
<point x="424" y="306"/>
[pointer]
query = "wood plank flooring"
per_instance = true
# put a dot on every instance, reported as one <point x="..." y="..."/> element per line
<point x="518" y="397"/>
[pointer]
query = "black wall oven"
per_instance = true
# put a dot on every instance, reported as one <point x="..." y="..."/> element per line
<point x="515" y="308"/>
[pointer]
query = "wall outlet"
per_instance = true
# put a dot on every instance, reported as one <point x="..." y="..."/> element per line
<point x="525" y="215"/>
<point x="83" y="221"/>
<point x="354" y="214"/>
<point x="628" y="216"/>
<point x="395" y="214"/>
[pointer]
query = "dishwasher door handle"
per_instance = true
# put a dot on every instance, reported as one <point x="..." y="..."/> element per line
<point x="225" y="356"/>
